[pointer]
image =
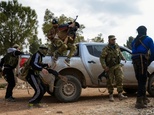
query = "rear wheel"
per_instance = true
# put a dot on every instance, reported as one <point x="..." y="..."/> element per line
<point x="68" y="92"/>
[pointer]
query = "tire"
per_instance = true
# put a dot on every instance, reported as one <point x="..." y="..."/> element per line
<point x="130" y="90"/>
<point x="150" y="88"/>
<point x="68" y="92"/>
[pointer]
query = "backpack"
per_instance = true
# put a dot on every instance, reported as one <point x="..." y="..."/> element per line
<point x="24" y="69"/>
<point x="11" y="60"/>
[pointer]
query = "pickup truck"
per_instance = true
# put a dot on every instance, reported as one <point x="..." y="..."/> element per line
<point x="84" y="69"/>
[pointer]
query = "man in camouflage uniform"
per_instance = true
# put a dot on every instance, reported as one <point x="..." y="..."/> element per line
<point x="10" y="62"/>
<point x="110" y="60"/>
<point x="68" y="36"/>
<point x="57" y="45"/>
<point x="63" y="38"/>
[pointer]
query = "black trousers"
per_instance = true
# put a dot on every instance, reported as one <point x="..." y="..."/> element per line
<point x="140" y="67"/>
<point x="37" y="85"/>
<point x="9" y="77"/>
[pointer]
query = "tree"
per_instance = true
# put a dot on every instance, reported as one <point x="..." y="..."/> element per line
<point x="17" y="24"/>
<point x="98" y="38"/>
<point x="34" y="44"/>
<point x="128" y="43"/>
<point x="61" y="20"/>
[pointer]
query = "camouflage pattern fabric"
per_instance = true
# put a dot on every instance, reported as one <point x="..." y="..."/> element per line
<point x="52" y="33"/>
<point x="59" y="46"/>
<point x="111" y="57"/>
<point x="72" y="48"/>
<point x="115" y="77"/>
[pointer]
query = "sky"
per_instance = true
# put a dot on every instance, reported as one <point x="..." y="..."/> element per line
<point x="117" y="17"/>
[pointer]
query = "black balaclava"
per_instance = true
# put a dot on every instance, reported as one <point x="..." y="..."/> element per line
<point x="142" y="32"/>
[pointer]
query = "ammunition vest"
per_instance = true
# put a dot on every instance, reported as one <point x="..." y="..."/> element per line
<point x="113" y="58"/>
<point x="10" y="60"/>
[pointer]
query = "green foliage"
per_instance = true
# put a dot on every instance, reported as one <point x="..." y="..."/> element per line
<point x="98" y="38"/>
<point x="34" y="44"/>
<point x="17" y="23"/>
<point x="129" y="42"/>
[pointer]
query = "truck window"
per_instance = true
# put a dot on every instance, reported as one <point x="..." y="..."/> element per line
<point x="95" y="50"/>
<point x="127" y="55"/>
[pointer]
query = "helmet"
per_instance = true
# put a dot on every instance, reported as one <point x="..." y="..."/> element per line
<point x="77" y="24"/>
<point x="54" y="21"/>
<point x="43" y="50"/>
<point x="16" y="46"/>
<point x="43" y="47"/>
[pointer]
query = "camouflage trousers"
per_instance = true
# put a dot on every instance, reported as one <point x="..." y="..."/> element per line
<point x="61" y="48"/>
<point x="58" y="46"/>
<point x="72" y="49"/>
<point x="115" y="75"/>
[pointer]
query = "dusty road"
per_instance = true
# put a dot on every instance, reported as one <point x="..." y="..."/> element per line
<point x="91" y="102"/>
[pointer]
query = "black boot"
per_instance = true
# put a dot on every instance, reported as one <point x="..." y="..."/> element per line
<point x="139" y="103"/>
<point x="145" y="100"/>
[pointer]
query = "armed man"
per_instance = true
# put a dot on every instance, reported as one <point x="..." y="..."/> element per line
<point x="66" y="35"/>
<point x="56" y="43"/>
<point x="110" y="60"/>
<point x="141" y="46"/>
<point x="9" y="62"/>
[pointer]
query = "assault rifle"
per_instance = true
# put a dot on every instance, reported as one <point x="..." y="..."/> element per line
<point x="103" y="74"/>
<point x="70" y="30"/>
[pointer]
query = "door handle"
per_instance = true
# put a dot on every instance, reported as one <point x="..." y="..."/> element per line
<point x="91" y="61"/>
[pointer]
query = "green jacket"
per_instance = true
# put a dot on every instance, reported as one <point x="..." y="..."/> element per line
<point x="111" y="56"/>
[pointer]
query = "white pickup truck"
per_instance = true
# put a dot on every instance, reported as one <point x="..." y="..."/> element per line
<point x="85" y="68"/>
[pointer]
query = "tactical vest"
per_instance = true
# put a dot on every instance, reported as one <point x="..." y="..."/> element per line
<point x="52" y="33"/>
<point x="113" y="58"/>
<point x="10" y="60"/>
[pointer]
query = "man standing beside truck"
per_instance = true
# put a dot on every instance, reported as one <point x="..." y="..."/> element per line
<point x="141" y="45"/>
<point x="110" y="60"/>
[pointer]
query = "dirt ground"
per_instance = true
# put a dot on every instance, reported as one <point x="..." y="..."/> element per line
<point x="91" y="102"/>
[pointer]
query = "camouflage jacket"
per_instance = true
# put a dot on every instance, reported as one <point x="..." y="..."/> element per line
<point x="52" y="33"/>
<point x="111" y="56"/>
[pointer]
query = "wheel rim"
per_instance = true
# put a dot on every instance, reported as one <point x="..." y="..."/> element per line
<point x="68" y="89"/>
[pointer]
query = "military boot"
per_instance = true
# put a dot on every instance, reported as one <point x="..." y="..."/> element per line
<point x="121" y="96"/>
<point x="139" y="103"/>
<point x="111" y="98"/>
<point x="146" y="100"/>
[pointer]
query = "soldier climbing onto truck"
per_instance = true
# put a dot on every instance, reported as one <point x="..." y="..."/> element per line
<point x="63" y="38"/>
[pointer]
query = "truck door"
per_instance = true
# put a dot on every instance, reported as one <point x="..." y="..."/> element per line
<point x="91" y="61"/>
<point x="128" y="69"/>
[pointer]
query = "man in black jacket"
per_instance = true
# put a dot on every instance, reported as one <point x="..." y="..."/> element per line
<point x="33" y="76"/>
<point x="10" y="62"/>
<point x="34" y="79"/>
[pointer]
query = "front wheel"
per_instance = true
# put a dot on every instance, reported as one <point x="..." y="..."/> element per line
<point x="151" y="86"/>
<point x="68" y="92"/>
